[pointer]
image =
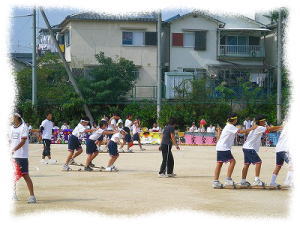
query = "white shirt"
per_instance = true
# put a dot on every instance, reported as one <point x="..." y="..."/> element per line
<point x="119" y="121"/>
<point x="15" y="137"/>
<point x="247" y="124"/>
<point x="64" y="127"/>
<point x="29" y="127"/>
<point x="116" y="137"/>
<point x="282" y="144"/>
<point x="48" y="126"/>
<point x="227" y="138"/>
<point x="128" y="123"/>
<point x="96" y="134"/>
<point x="211" y="130"/>
<point x="112" y="124"/>
<point x="254" y="138"/>
<point x="155" y="129"/>
<point x="78" y="130"/>
<point x="193" y="129"/>
<point x="135" y="129"/>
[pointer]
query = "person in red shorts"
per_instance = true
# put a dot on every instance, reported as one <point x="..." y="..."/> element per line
<point x="18" y="142"/>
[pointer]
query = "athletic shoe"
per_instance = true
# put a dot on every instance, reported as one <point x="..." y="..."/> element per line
<point x="275" y="185"/>
<point x="52" y="161"/>
<point x="88" y="169"/>
<point x="43" y="161"/>
<point x="109" y="169"/>
<point x="66" y="167"/>
<point x="130" y="151"/>
<point x="72" y="162"/>
<point x="31" y="199"/>
<point x="171" y="175"/>
<point x="258" y="183"/>
<point x="121" y="150"/>
<point x="162" y="175"/>
<point x="114" y="168"/>
<point x="92" y="165"/>
<point x="217" y="184"/>
<point x="99" y="149"/>
<point x="245" y="184"/>
<point x="229" y="182"/>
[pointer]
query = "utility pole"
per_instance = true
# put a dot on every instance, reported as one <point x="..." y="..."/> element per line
<point x="279" y="43"/>
<point x="68" y="70"/>
<point x="34" y="78"/>
<point x="158" y="64"/>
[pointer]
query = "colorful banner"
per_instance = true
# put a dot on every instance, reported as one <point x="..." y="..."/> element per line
<point x="198" y="138"/>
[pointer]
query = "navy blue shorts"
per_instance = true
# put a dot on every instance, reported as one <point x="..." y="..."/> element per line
<point x="282" y="157"/>
<point x="224" y="156"/>
<point x="251" y="156"/>
<point x="22" y="164"/>
<point x="136" y="137"/>
<point x="128" y="138"/>
<point x="91" y="147"/>
<point x="73" y="143"/>
<point x="113" y="148"/>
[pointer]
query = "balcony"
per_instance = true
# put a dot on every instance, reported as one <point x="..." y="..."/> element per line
<point x="241" y="51"/>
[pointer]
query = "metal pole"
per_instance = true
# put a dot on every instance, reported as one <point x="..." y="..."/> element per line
<point x="158" y="64"/>
<point x="34" y="79"/>
<point x="279" y="68"/>
<point x="71" y="78"/>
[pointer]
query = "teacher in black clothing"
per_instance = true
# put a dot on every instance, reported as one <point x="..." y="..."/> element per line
<point x="168" y="139"/>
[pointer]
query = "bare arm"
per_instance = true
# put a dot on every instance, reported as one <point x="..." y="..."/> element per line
<point x="174" y="141"/>
<point x="20" y="145"/>
<point x="275" y="128"/>
<point x="247" y="130"/>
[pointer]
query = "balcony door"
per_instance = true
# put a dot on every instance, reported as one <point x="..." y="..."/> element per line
<point x="236" y="45"/>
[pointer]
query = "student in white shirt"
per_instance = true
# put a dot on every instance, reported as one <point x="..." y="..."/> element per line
<point x="75" y="144"/>
<point x="211" y="129"/>
<point x="247" y="123"/>
<point x="282" y="155"/>
<point x="251" y="148"/>
<point x="46" y="130"/>
<point x="91" y="147"/>
<point x="223" y="148"/>
<point x="136" y="129"/>
<point x="65" y="126"/>
<point x="18" y="143"/>
<point x="155" y="128"/>
<point x="193" y="128"/>
<point x="128" y="138"/>
<point x="113" y="149"/>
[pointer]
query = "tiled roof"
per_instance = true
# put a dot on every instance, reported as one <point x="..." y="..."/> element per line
<point x="142" y="17"/>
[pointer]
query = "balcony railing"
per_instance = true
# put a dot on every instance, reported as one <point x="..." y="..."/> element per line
<point x="241" y="50"/>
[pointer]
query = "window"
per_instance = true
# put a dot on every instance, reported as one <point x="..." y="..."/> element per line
<point x="254" y="40"/>
<point x="67" y="38"/>
<point x="189" y="39"/>
<point x="177" y="39"/>
<point x="135" y="38"/>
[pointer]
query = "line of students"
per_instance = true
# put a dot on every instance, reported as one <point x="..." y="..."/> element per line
<point x="111" y="131"/>
<point x="250" y="150"/>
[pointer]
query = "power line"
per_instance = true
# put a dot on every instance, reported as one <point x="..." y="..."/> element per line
<point x="20" y="16"/>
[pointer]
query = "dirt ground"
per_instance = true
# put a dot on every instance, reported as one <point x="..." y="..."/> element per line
<point x="136" y="188"/>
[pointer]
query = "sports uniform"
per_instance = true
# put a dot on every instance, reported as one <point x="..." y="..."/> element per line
<point x="74" y="143"/>
<point x="46" y="128"/>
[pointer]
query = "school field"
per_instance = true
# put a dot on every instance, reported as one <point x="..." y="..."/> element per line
<point x="136" y="188"/>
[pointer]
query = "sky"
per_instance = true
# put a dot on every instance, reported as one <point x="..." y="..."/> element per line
<point x="21" y="27"/>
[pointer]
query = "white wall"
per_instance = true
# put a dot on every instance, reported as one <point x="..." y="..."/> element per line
<point x="187" y="57"/>
<point x="91" y="37"/>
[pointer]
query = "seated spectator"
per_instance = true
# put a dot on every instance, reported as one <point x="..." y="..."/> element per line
<point x="193" y="128"/>
<point x="155" y="128"/>
<point x="201" y="129"/>
<point x="65" y="126"/>
<point x="211" y="129"/>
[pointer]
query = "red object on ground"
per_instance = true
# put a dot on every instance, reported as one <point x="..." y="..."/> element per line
<point x="130" y="144"/>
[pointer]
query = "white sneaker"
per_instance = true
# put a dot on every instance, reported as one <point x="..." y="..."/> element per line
<point x="244" y="184"/>
<point x="52" y="161"/>
<point x="31" y="199"/>
<point x="229" y="182"/>
<point x="99" y="149"/>
<point x="217" y="184"/>
<point x="114" y="168"/>
<point x="109" y="169"/>
<point x="171" y="175"/>
<point x="121" y="150"/>
<point x="66" y="167"/>
<point x="43" y="161"/>
<point x="129" y="150"/>
<point x="162" y="175"/>
<point x="258" y="183"/>
<point x="275" y="185"/>
<point x="72" y="162"/>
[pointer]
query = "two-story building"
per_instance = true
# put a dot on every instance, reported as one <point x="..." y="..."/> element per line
<point x="224" y="48"/>
<point x="133" y="37"/>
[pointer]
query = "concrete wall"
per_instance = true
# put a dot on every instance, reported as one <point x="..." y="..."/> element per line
<point x="90" y="37"/>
